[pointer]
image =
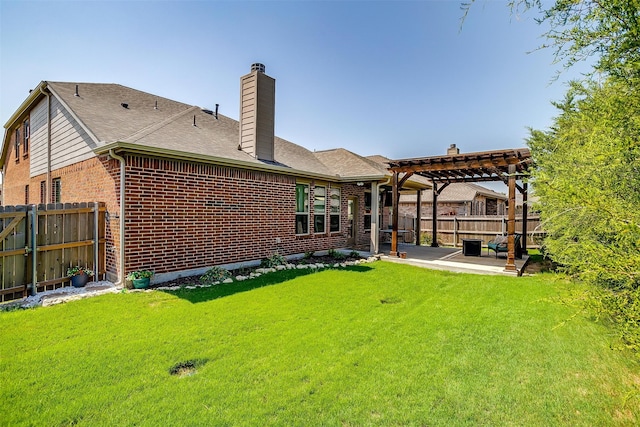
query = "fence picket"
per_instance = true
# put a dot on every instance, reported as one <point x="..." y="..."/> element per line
<point x="64" y="236"/>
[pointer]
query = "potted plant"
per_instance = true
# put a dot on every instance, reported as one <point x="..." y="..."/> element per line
<point x="140" y="278"/>
<point x="79" y="275"/>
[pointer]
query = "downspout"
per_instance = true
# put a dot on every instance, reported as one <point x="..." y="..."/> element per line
<point x="122" y="210"/>
<point x="48" y="184"/>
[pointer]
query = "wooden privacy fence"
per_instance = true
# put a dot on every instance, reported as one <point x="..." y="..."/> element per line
<point x="452" y="229"/>
<point x="39" y="242"/>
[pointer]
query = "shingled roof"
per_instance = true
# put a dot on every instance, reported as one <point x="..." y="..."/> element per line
<point x="116" y="116"/>
<point x="456" y="192"/>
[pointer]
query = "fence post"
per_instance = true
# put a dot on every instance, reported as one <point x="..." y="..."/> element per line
<point x="34" y="249"/>
<point x="96" y="239"/>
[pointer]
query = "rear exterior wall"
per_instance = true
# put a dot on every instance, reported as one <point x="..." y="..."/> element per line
<point x="182" y="215"/>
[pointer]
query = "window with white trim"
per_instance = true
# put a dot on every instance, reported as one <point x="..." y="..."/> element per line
<point x="334" y="209"/>
<point x="17" y="145"/>
<point x="56" y="190"/>
<point x="319" y="209"/>
<point x="302" y="209"/>
<point x="26" y="134"/>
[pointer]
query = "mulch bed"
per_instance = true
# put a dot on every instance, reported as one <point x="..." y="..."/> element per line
<point x="194" y="280"/>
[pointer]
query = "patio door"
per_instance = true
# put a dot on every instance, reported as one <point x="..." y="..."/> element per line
<point x="352" y="217"/>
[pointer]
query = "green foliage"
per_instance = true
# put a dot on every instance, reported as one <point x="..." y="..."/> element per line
<point x="214" y="275"/>
<point x="587" y="177"/>
<point x="308" y="254"/>
<point x="337" y="255"/>
<point x="74" y="271"/>
<point x="354" y="254"/>
<point x="425" y="238"/>
<point x="273" y="261"/>
<point x="140" y="274"/>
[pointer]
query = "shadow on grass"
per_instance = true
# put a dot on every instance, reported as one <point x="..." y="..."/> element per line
<point x="227" y="289"/>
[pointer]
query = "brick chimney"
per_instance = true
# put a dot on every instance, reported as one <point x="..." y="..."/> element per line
<point x="453" y="150"/>
<point x="257" y="113"/>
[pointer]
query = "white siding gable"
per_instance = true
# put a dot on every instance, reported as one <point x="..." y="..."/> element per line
<point x="69" y="142"/>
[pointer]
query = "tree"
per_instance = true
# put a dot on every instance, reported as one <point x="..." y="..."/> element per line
<point x="587" y="177"/>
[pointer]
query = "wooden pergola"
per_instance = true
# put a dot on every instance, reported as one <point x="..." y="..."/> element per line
<point x="507" y="166"/>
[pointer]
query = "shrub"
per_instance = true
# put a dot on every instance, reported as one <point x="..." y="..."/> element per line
<point x="214" y="275"/>
<point x="74" y="271"/>
<point x="139" y="274"/>
<point x="354" y="254"/>
<point x="273" y="261"/>
<point x="425" y="239"/>
<point x="336" y="255"/>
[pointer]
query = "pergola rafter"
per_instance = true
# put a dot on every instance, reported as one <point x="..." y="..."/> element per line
<point x="498" y="165"/>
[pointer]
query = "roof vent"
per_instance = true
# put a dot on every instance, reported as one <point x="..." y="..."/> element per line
<point x="209" y="112"/>
<point x="257" y="67"/>
<point x="124" y="105"/>
<point x="76" y="94"/>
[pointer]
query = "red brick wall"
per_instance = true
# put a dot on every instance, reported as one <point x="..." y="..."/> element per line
<point x="97" y="180"/>
<point x="16" y="174"/>
<point x="183" y="215"/>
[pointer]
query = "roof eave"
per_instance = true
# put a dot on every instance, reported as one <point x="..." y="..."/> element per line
<point x="181" y="155"/>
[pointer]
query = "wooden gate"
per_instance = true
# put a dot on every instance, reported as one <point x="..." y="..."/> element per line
<point x="38" y="244"/>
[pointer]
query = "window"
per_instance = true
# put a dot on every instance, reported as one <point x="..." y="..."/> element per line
<point x="26" y="134"/>
<point x="26" y="194"/>
<point x="17" y="145"/>
<point x="43" y="191"/>
<point x="302" y="209"/>
<point x="319" y="209"/>
<point x="56" y="190"/>
<point x="334" y="210"/>
<point x="367" y="210"/>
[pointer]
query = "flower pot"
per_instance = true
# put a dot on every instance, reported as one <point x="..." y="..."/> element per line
<point x="79" y="280"/>
<point x="141" y="283"/>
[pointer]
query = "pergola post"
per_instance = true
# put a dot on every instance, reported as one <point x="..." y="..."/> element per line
<point x="525" y="216"/>
<point x="434" y="219"/>
<point x="396" y="210"/>
<point x="418" y="216"/>
<point x="374" y="245"/>
<point x="511" y="221"/>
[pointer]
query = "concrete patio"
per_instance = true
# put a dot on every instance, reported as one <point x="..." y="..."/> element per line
<point x="452" y="259"/>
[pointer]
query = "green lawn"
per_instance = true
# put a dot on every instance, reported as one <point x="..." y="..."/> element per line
<point x="376" y="344"/>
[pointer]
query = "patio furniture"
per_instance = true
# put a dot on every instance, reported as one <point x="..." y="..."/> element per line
<point x="499" y="244"/>
<point x="471" y="247"/>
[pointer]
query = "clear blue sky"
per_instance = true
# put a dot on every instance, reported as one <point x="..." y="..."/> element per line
<point x="397" y="78"/>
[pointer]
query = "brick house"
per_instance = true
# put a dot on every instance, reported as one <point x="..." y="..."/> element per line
<point x="187" y="188"/>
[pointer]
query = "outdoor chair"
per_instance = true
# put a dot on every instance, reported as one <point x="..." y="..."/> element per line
<point x="499" y="244"/>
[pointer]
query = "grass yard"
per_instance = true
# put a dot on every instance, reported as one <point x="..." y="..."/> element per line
<point x="375" y="344"/>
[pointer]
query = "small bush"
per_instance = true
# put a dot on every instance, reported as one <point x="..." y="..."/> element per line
<point x="354" y="254"/>
<point x="425" y="239"/>
<point x="336" y="255"/>
<point x="214" y="275"/>
<point x="308" y="254"/>
<point x="273" y="261"/>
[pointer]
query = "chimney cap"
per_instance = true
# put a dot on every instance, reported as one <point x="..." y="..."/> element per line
<point x="257" y="67"/>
